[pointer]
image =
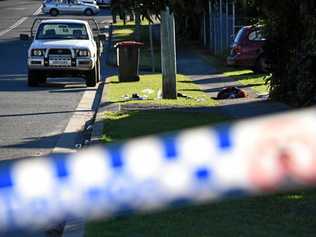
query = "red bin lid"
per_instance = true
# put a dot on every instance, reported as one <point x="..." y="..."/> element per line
<point x="129" y="44"/>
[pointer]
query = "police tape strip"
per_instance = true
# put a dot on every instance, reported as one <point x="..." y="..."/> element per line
<point x="196" y="166"/>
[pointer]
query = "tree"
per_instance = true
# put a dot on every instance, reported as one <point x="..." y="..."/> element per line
<point x="291" y="48"/>
<point x="187" y="12"/>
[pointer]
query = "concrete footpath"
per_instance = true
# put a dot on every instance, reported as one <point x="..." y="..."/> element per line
<point x="205" y="75"/>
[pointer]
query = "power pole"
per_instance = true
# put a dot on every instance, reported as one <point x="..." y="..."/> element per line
<point x="168" y="55"/>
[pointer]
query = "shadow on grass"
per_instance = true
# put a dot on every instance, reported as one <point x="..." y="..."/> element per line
<point x="121" y="125"/>
<point x="247" y="76"/>
<point x="112" y="82"/>
<point x="151" y="120"/>
<point x="272" y="216"/>
<point x="220" y="88"/>
<point x="290" y="214"/>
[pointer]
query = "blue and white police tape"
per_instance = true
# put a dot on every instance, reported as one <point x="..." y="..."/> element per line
<point x="197" y="166"/>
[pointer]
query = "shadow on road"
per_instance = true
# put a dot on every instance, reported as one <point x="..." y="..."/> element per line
<point x="41" y="142"/>
<point x="42" y="113"/>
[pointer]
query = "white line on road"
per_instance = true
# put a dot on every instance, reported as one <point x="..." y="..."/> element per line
<point x="19" y="22"/>
<point x="16" y="24"/>
<point x="38" y="11"/>
<point x="17" y="8"/>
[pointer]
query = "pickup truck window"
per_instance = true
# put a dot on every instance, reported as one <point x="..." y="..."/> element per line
<point x="49" y="31"/>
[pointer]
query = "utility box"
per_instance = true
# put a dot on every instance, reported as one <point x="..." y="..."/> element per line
<point x="128" y="53"/>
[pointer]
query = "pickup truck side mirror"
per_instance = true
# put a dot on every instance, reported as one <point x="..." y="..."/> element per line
<point x="24" y="37"/>
<point x="102" y="37"/>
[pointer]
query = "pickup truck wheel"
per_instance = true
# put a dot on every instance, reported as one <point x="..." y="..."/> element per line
<point x="54" y="12"/>
<point x="91" y="77"/>
<point x="88" y="12"/>
<point x="32" y="78"/>
<point x="42" y="78"/>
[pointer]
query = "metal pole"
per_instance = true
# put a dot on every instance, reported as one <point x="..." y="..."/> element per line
<point x="234" y="19"/>
<point x="204" y="30"/>
<point x="137" y="24"/>
<point x="152" y="47"/>
<point x="227" y="19"/>
<point x="211" y="24"/>
<point x="221" y="25"/>
<point x="215" y="27"/>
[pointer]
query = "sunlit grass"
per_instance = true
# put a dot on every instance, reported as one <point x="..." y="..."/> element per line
<point x="131" y="23"/>
<point x="248" y="78"/>
<point x="117" y="91"/>
<point x="123" y="32"/>
<point x="237" y="72"/>
<point x="295" y="197"/>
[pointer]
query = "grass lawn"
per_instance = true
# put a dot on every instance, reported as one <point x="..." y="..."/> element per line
<point x="291" y="214"/>
<point x="250" y="79"/>
<point x="279" y="215"/>
<point x="285" y="215"/>
<point x="121" y="125"/>
<point x="130" y="23"/>
<point x="116" y="91"/>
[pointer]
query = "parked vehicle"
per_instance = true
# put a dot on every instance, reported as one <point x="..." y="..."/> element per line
<point x="56" y="7"/>
<point x="104" y="3"/>
<point x="89" y="1"/>
<point x="65" y="47"/>
<point x="247" y="50"/>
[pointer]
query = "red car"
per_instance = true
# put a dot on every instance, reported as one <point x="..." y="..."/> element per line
<point x="247" y="50"/>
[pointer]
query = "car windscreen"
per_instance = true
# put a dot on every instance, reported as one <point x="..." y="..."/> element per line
<point x="62" y="31"/>
<point x="240" y="35"/>
<point x="256" y="35"/>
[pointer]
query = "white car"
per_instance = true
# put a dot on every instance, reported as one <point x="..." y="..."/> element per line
<point x="64" y="47"/>
<point x="89" y="1"/>
<point x="56" y="7"/>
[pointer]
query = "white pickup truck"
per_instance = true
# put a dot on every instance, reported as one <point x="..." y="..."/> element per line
<point x="64" y="47"/>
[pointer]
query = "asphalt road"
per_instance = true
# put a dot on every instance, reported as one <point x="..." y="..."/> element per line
<point x="12" y="10"/>
<point x="31" y="119"/>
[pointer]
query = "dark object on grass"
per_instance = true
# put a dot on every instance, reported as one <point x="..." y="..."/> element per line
<point x="231" y="92"/>
<point x="181" y="95"/>
<point x="135" y="96"/>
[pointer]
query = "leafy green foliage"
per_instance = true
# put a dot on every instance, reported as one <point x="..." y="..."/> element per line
<point x="188" y="13"/>
<point x="291" y="34"/>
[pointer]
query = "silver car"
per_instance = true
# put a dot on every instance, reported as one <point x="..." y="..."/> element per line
<point x="56" y="7"/>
